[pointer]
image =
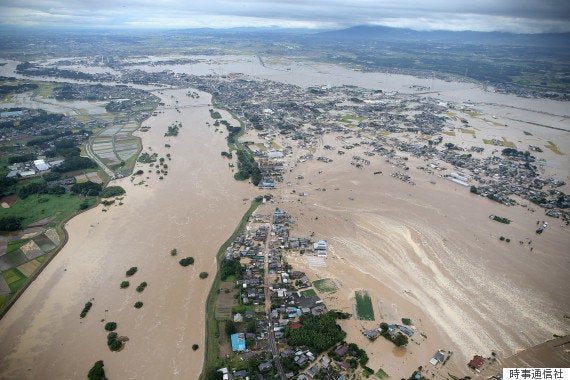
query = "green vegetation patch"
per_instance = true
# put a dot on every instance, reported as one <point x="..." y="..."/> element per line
<point x="186" y="261"/>
<point x="112" y="191"/>
<point x="215" y="114"/>
<point x="472" y="113"/>
<point x="554" y="148"/>
<point x="350" y="118"/>
<point x="449" y="133"/>
<point x="15" y="244"/>
<point x="15" y="279"/>
<point x="111" y="326"/>
<point x="508" y="144"/>
<point x="113" y="343"/>
<point x="500" y="219"/>
<point x="247" y="167"/>
<point x="86" y="309"/>
<point x="319" y="333"/>
<point x="488" y="142"/>
<point x="242" y="309"/>
<point x="527" y="133"/>
<point x="138" y="305"/>
<point x="470" y="131"/>
<point x="364" y="309"/>
<point x="381" y="374"/>
<point x="36" y="207"/>
<point x="147" y="158"/>
<point x="142" y="287"/>
<point x="406" y="321"/>
<point x="97" y="372"/>
<point x="203" y="275"/>
<point x="309" y="293"/>
<point x="131" y="271"/>
<point x="325" y="285"/>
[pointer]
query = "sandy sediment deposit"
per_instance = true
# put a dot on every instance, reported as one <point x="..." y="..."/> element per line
<point x="429" y="252"/>
<point x="190" y="210"/>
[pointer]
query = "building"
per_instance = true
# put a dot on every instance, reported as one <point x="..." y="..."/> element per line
<point x="41" y="165"/>
<point x="341" y="351"/>
<point x="371" y="334"/>
<point x="476" y="362"/>
<point x="320" y="245"/>
<point x="438" y="357"/>
<point x="263" y="367"/>
<point x="238" y="342"/>
<point x="312" y="372"/>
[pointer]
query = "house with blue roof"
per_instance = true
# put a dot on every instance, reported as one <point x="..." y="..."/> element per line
<point x="238" y="342"/>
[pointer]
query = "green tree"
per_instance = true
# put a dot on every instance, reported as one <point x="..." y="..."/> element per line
<point x="10" y="223"/>
<point x="111" y="326"/>
<point x="318" y="332"/>
<point x="230" y="327"/>
<point x="97" y="372"/>
<point x="112" y="191"/>
<point x="86" y="188"/>
<point x="251" y="326"/>
<point x="401" y="340"/>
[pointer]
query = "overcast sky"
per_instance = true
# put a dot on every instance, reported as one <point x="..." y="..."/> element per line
<point x="519" y="16"/>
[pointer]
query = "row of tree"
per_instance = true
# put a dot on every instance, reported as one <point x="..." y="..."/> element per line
<point x="319" y="333"/>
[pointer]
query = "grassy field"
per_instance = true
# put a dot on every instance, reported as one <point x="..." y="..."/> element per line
<point x="364" y="307"/>
<point x="37" y="207"/>
<point x="449" y="133"/>
<point x="15" y="244"/>
<point x="470" y="131"/>
<point x="325" y="285"/>
<point x="309" y="293"/>
<point x="15" y="279"/>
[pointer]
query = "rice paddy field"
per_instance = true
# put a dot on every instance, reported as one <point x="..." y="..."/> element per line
<point x="22" y="259"/>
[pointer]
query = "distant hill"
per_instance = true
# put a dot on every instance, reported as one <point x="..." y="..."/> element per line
<point x="369" y="32"/>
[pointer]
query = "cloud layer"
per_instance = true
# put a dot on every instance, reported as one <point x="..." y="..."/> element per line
<point x="519" y="16"/>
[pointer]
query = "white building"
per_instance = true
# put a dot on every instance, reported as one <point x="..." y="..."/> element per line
<point x="41" y="165"/>
<point x="320" y="245"/>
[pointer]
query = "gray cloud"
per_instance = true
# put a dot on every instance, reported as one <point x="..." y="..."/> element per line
<point x="520" y="16"/>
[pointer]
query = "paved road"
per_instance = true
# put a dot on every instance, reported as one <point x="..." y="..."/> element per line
<point x="270" y="333"/>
